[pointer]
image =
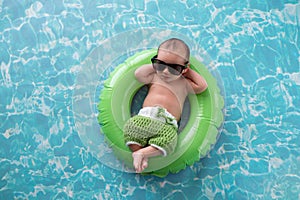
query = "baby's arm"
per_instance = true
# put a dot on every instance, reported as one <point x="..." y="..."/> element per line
<point x="145" y="74"/>
<point x="196" y="81"/>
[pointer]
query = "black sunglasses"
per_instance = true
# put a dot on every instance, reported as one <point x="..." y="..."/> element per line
<point x="174" y="69"/>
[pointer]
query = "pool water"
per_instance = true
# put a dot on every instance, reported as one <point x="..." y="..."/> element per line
<point x="55" y="55"/>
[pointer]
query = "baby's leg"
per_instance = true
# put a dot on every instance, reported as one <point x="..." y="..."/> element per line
<point x="140" y="162"/>
<point x="135" y="147"/>
<point x="140" y="157"/>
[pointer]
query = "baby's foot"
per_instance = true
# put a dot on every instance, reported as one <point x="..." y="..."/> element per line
<point x="140" y="161"/>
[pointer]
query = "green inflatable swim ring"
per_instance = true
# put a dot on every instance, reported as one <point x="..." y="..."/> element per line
<point x="196" y="138"/>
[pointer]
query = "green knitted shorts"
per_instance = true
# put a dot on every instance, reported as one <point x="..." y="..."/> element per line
<point x="146" y="131"/>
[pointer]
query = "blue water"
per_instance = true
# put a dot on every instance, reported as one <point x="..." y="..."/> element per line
<point x="48" y="93"/>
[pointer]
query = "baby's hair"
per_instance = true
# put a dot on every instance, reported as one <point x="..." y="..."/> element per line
<point x="177" y="46"/>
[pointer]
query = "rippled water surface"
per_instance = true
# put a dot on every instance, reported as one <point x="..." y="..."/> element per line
<point x="50" y="79"/>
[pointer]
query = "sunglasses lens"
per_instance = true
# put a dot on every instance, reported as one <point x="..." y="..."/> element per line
<point x="178" y="69"/>
<point x="159" y="67"/>
<point x="174" y="71"/>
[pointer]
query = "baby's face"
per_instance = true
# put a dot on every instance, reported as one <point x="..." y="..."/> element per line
<point x="169" y="74"/>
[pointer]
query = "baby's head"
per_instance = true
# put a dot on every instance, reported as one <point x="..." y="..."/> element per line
<point x="172" y="59"/>
<point x="177" y="47"/>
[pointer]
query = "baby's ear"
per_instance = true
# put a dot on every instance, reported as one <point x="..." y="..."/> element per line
<point x="186" y="69"/>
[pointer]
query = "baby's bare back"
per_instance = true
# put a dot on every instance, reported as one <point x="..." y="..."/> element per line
<point x="168" y="96"/>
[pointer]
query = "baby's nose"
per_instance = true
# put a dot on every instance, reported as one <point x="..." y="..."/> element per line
<point x="166" y="70"/>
